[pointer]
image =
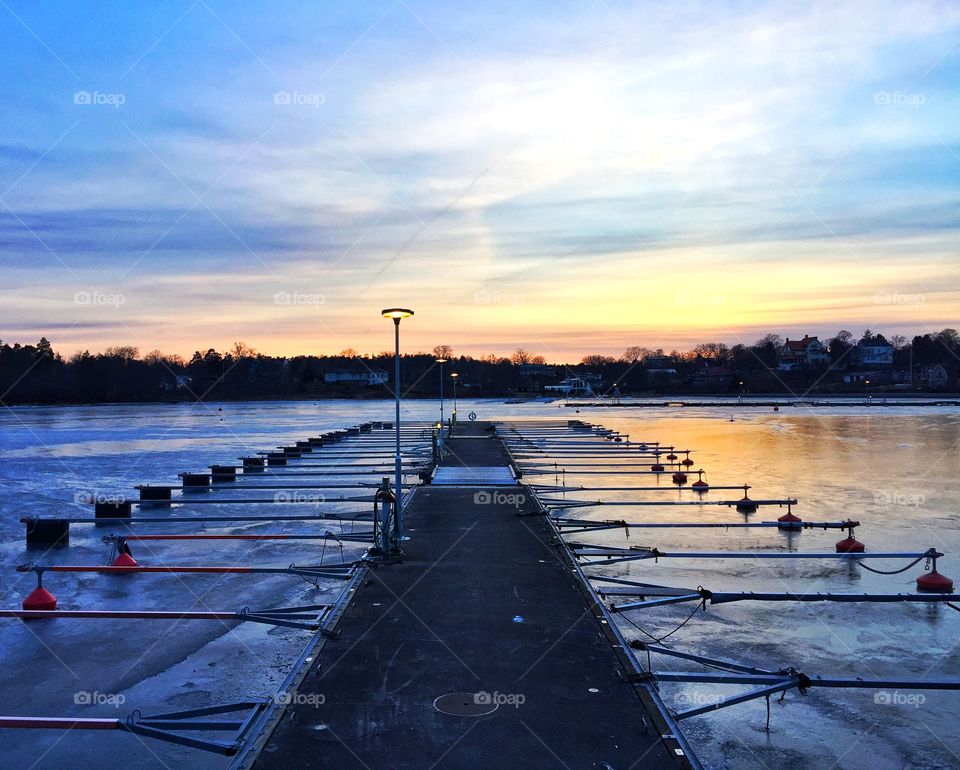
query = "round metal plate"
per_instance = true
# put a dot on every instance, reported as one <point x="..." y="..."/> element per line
<point x="465" y="704"/>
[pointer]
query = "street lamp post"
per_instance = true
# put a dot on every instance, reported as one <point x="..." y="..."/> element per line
<point x="441" y="361"/>
<point x="453" y="376"/>
<point x="396" y="313"/>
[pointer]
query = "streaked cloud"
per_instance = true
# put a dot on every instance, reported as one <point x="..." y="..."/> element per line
<point x="571" y="177"/>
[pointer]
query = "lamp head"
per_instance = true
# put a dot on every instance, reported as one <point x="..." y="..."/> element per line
<point x="396" y="313"/>
<point x="442" y="360"/>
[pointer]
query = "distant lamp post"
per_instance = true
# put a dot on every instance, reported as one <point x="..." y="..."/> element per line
<point x="741" y="391"/>
<point x="453" y="376"/>
<point x="396" y="313"/>
<point x="441" y="361"/>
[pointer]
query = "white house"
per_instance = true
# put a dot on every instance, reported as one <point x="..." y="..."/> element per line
<point x="873" y="352"/>
<point x="572" y="386"/>
<point x="797" y="354"/>
<point x="371" y="377"/>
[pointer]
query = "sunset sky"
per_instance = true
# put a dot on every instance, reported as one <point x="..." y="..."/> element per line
<point x="570" y="177"/>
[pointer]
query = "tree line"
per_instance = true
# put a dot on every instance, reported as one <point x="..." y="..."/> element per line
<point x="38" y="374"/>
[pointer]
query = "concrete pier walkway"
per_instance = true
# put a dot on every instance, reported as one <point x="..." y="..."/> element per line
<point x="483" y="609"/>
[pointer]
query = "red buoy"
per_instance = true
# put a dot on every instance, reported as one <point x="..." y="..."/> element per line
<point x="656" y="468"/>
<point x="671" y="457"/>
<point x="934" y="583"/>
<point x="789" y="520"/>
<point x="40" y="599"/>
<point x="125" y="560"/>
<point x="745" y="504"/>
<point x="687" y="462"/>
<point x="850" y="545"/>
<point x="776" y="409"/>
<point x="679" y="478"/>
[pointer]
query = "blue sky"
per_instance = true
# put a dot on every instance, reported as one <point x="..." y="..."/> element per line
<point x="571" y="177"/>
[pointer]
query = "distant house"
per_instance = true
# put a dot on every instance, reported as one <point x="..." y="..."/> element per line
<point x="653" y="363"/>
<point x="370" y="377"/>
<point x="933" y="376"/>
<point x="868" y="378"/>
<point x="572" y="386"/>
<point x="667" y="376"/>
<point x="180" y="382"/>
<point x="872" y="353"/>
<point x="714" y="377"/>
<point x="799" y="354"/>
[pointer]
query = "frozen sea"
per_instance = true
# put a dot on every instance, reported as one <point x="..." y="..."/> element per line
<point x="895" y="469"/>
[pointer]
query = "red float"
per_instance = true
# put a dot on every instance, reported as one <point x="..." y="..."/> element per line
<point x="40" y="599"/>
<point x="850" y="545"/>
<point x="934" y="583"/>
<point x="790" y="520"/>
<point x="124" y="560"/>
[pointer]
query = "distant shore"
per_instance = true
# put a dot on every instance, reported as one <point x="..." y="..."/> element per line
<point x="676" y="400"/>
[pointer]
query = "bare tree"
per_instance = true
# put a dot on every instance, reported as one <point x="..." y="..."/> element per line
<point x="635" y="353"/>
<point x="595" y="359"/>
<point x="125" y="352"/>
<point x="520" y="356"/>
<point x="242" y="350"/>
<point x="443" y="351"/>
<point x="716" y="350"/>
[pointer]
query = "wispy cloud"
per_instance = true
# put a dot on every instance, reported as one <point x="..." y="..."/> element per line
<point x="633" y="162"/>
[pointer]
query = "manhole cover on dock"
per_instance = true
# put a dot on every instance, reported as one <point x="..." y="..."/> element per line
<point x="465" y="704"/>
